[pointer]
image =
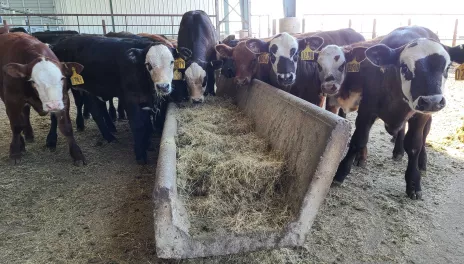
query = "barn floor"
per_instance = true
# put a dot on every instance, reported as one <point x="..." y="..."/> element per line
<point x="53" y="212"/>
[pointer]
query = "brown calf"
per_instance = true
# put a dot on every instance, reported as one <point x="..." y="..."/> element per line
<point x="33" y="76"/>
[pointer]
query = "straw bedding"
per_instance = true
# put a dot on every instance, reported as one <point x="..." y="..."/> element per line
<point x="229" y="178"/>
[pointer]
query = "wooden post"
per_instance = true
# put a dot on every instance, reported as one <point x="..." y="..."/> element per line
<point x="374" y="33"/>
<point x="104" y="26"/>
<point x="5" y="26"/>
<point x="409" y="22"/>
<point x="349" y="23"/>
<point x="274" y="27"/>
<point x="455" y="34"/>
<point x="303" y="26"/>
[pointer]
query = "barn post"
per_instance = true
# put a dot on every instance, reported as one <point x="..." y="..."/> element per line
<point x="218" y="22"/>
<point x="112" y="15"/>
<point x="104" y="26"/>
<point x="5" y="26"/>
<point x="455" y="34"/>
<point x="249" y="19"/>
<point x="349" y="23"/>
<point x="374" y="33"/>
<point x="409" y="22"/>
<point x="274" y="27"/>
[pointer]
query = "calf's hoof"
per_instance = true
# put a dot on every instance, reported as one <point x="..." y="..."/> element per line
<point x="15" y="159"/>
<point x="393" y="140"/>
<point x="360" y="163"/>
<point x="76" y="154"/>
<point x="336" y="183"/>
<point x="51" y="145"/>
<point x="29" y="138"/>
<point x="398" y="156"/>
<point x="142" y="162"/>
<point x="414" y="195"/>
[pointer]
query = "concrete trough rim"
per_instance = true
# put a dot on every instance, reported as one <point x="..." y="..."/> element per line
<point x="171" y="230"/>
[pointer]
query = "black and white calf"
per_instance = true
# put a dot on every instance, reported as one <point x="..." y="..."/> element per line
<point x="138" y="71"/>
<point x="404" y="82"/>
<point x="196" y="45"/>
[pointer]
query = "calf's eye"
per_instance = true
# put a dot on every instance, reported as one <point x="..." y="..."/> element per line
<point x="149" y="66"/>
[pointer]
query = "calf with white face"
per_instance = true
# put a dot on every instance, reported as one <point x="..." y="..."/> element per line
<point x="159" y="62"/>
<point x="47" y="77"/>
<point x="332" y="61"/>
<point x="424" y="65"/>
<point x="284" y="54"/>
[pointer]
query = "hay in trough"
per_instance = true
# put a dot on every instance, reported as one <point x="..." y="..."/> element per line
<point x="229" y="178"/>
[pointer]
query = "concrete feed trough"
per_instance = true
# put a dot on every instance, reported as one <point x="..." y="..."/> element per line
<point x="313" y="141"/>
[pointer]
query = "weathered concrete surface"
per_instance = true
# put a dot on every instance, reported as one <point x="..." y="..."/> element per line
<point x="313" y="141"/>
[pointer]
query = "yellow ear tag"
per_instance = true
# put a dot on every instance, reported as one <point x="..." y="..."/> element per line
<point x="307" y="54"/>
<point x="177" y="75"/>
<point x="263" y="58"/>
<point x="459" y="73"/>
<point x="179" y="64"/>
<point x="353" y="66"/>
<point x="76" y="79"/>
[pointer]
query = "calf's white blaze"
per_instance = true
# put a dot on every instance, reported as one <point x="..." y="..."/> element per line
<point x="47" y="80"/>
<point x="194" y="76"/>
<point x="161" y="60"/>
<point x="330" y="66"/>
<point x="285" y="42"/>
<point x="410" y="55"/>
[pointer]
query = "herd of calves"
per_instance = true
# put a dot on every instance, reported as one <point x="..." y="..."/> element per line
<point x="399" y="78"/>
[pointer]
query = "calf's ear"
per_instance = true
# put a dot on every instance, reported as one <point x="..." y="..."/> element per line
<point x="358" y="53"/>
<point x="134" y="55"/>
<point x="68" y="66"/>
<point x="315" y="43"/>
<point x="456" y="53"/>
<point x="224" y="50"/>
<point x="216" y="64"/>
<point x="16" y="70"/>
<point x="257" y="46"/>
<point x="184" y="53"/>
<point x="381" y="55"/>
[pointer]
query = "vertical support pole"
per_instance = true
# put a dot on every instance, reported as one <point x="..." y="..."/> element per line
<point x="112" y="16"/>
<point x="104" y="26"/>
<point x="78" y="25"/>
<point x="5" y="26"/>
<point x="218" y="22"/>
<point x="268" y="25"/>
<point x="172" y="27"/>
<point x="374" y="33"/>
<point x="455" y="34"/>
<point x="249" y="18"/>
<point x="409" y="22"/>
<point x="303" y="26"/>
<point x="274" y="27"/>
<point x="28" y="23"/>
<point x="349" y="23"/>
<point x="125" y="19"/>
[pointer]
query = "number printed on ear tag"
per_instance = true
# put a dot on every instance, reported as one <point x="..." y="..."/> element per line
<point x="459" y="73"/>
<point x="307" y="54"/>
<point x="76" y="79"/>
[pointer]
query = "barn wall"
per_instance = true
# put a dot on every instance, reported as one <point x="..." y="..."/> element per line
<point x="30" y="6"/>
<point x="159" y="25"/>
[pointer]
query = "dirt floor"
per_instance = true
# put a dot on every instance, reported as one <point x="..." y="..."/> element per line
<point x="53" y="212"/>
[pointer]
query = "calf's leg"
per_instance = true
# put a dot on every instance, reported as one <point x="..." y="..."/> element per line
<point x="52" y="136"/>
<point x="398" y="150"/>
<point x="98" y="118"/>
<point x="358" y="142"/>
<point x="28" y="132"/>
<point x="413" y="144"/>
<point x="140" y="123"/>
<point x="64" y="123"/>
<point x="423" y="154"/>
<point x="121" y="111"/>
<point x="79" y="101"/>
<point x="17" y="123"/>
<point x="112" y="110"/>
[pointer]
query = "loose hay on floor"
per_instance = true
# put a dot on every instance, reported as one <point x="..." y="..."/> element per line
<point x="230" y="179"/>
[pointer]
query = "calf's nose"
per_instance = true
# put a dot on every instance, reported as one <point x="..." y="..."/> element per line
<point x="431" y="103"/>
<point x="54" y="106"/>
<point x="197" y="100"/>
<point x="163" y="87"/>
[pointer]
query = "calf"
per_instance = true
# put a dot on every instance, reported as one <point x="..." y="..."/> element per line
<point x="404" y="82"/>
<point x="138" y="71"/>
<point x="196" y="41"/>
<point x="32" y="75"/>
